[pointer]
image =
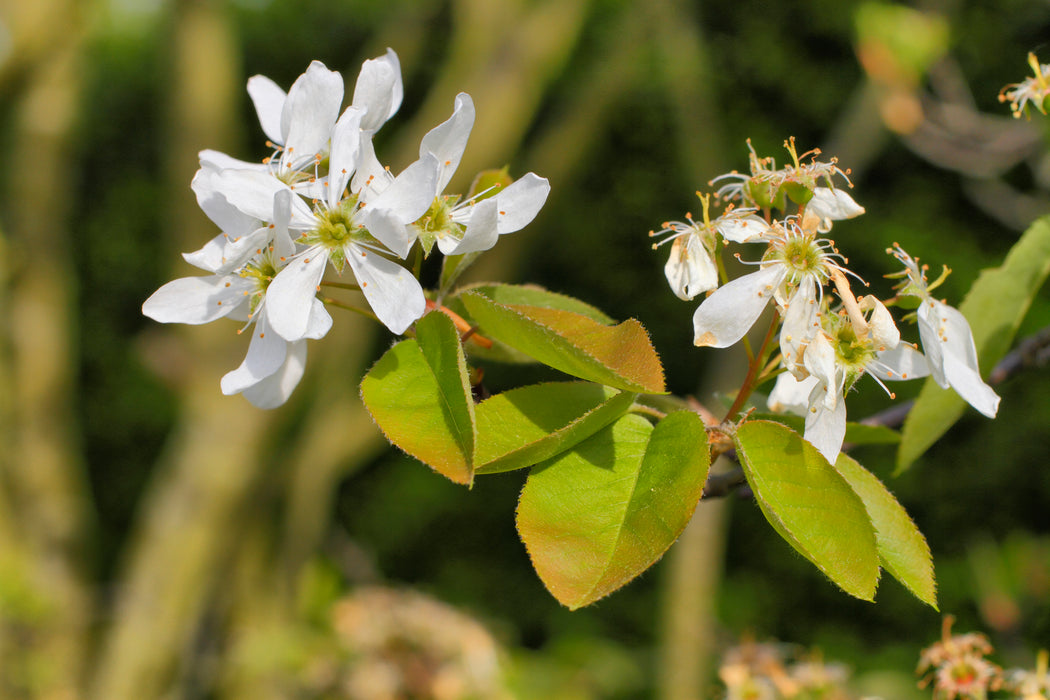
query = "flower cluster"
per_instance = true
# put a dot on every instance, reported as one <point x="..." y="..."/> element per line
<point x="1034" y="90"/>
<point x="956" y="666"/>
<point x="828" y="337"/>
<point x="770" y="670"/>
<point x="323" y="201"/>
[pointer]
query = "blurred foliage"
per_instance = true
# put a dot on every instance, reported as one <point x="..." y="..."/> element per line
<point x="628" y="108"/>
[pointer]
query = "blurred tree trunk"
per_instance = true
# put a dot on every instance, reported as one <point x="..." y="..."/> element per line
<point x="188" y="520"/>
<point x="47" y="510"/>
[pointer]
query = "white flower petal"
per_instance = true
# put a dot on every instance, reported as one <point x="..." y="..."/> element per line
<point x="826" y="427"/>
<point x="881" y="325"/>
<point x="447" y="141"/>
<point x="253" y="192"/>
<point x="819" y="360"/>
<point x="952" y="355"/>
<point x="217" y="160"/>
<point x="412" y="192"/>
<point x="744" y="229"/>
<point x="690" y="269"/>
<point x="275" y="389"/>
<point x="197" y="300"/>
<point x="283" y="247"/>
<point x="800" y="325"/>
<point x="268" y="99"/>
<point x="289" y="298"/>
<point x="239" y="251"/>
<point x="370" y="177"/>
<point x="230" y="220"/>
<point x="833" y="204"/>
<point x="346" y="141"/>
<point x="379" y="89"/>
<point x="967" y="383"/>
<point x="210" y="257"/>
<point x="901" y="363"/>
<point x="790" y="394"/>
<point x="266" y="354"/>
<point x="389" y="229"/>
<point x="725" y="316"/>
<point x="310" y="110"/>
<point x="481" y="232"/>
<point x="320" y="321"/>
<point x="521" y="201"/>
<point x="392" y="291"/>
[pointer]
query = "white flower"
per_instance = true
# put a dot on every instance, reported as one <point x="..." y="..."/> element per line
<point x="362" y="228"/>
<point x="834" y="360"/>
<point x="792" y="259"/>
<point x="947" y="341"/>
<point x="300" y="122"/>
<point x="474" y="225"/>
<point x="272" y="366"/>
<point x="691" y="268"/>
<point x="378" y="90"/>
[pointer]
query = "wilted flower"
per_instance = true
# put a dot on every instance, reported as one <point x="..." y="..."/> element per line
<point x="956" y="666"/>
<point x="691" y="267"/>
<point x="1034" y="90"/>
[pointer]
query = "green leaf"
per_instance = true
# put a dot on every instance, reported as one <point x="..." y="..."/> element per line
<point x="856" y="433"/>
<point x="438" y="338"/>
<point x="419" y="396"/>
<point x="530" y="295"/>
<point x="810" y="505"/>
<point x="902" y="548"/>
<point x="534" y="295"/>
<point x="620" y="356"/>
<point x="995" y="307"/>
<point x="525" y="426"/>
<point x="597" y="516"/>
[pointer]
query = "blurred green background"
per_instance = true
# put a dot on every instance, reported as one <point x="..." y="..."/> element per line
<point x="160" y="540"/>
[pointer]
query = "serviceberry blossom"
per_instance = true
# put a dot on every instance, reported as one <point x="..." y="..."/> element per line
<point x="860" y="339"/>
<point x="362" y="229"/>
<point x="794" y="269"/>
<point x="946" y="338"/>
<point x="691" y="268"/>
<point x="299" y="123"/>
<point x="769" y="187"/>
<point x="322" y="198"/>
<point x="475" y="224"/>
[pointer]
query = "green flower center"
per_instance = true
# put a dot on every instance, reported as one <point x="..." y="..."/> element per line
<point x="335" y="228"/>
<point x="803" y="256"/>
<point x="437" y="223"/>
<point x="261" y="273"/>
<point x="852" y="353"/>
